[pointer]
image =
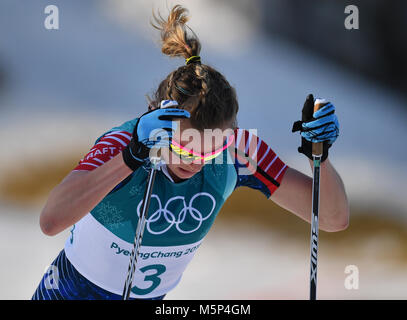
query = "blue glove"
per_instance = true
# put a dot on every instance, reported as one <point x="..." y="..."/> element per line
<point x="320" y="126"/>
<point x="325" y="127"/>
<point x="154" y="129"/>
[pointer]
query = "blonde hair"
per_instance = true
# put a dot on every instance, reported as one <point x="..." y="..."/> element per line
<point x="197" y="87"/>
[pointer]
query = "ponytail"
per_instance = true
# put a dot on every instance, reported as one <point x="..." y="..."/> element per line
<point x="174" y="36"/>
<point x="197" y="87"/>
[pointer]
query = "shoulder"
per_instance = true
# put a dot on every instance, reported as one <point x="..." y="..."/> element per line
<point x="125" y="129"/>
<point x="126" y="126"/>
<point x="107" y="146"/>
<point x="257" y="164"/>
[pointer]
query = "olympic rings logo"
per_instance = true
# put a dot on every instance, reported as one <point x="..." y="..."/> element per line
<point x="171" y="219"/>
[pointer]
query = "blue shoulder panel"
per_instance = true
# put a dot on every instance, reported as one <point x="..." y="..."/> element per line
<point x="127" y="126"/>
<point x="250" y="181"/>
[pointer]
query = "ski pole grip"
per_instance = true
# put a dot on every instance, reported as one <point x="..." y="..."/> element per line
<point x="317" y="148"/>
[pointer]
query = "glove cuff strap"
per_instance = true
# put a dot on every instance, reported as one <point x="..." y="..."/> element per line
<point x="297" y="126"/>
<point x="132" y="161"/>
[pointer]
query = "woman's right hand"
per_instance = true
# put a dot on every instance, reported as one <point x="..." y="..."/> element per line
<point x="153" y="130"/>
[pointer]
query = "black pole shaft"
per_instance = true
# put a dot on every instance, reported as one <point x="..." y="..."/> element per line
<point x="139" y="234"/>
<point x="314" y="227"/>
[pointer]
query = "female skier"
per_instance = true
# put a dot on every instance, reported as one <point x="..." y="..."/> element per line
<point x="102" y="196"/>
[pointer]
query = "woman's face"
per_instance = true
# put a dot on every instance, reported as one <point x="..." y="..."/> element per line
<point x="198" y="141"/>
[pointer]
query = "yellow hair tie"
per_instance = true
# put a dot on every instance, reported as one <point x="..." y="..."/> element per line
<point x="193" y="59"/>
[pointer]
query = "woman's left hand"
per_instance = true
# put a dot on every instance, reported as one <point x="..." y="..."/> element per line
<point x="319" y="126"/>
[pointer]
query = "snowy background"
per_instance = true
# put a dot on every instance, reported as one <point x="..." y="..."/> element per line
<point x="60" y="89"/>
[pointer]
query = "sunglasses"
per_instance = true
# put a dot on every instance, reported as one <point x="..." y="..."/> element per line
<point x="190" y="155"/>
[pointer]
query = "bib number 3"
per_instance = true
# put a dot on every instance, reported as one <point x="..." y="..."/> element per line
<point x="154" y="278"/>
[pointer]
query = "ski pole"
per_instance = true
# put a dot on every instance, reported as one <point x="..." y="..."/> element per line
<point x="140" y="227"/>
<point x="317" y="149"/>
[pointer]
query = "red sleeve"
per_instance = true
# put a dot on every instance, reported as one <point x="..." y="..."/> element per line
<point x="108" y="146"/>
<point x="260" y="161"/>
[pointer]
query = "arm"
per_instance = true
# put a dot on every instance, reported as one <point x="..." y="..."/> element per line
<point x="295" y="195"/>
<point x="79" y="193"/>
<point x="82" y="189"/>
<point x="290" y="188"/>
<point x="113" y="158"/>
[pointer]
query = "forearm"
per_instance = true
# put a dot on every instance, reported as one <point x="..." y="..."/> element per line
<point x="77" y="194"/>
<point x="334" y="205"/>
